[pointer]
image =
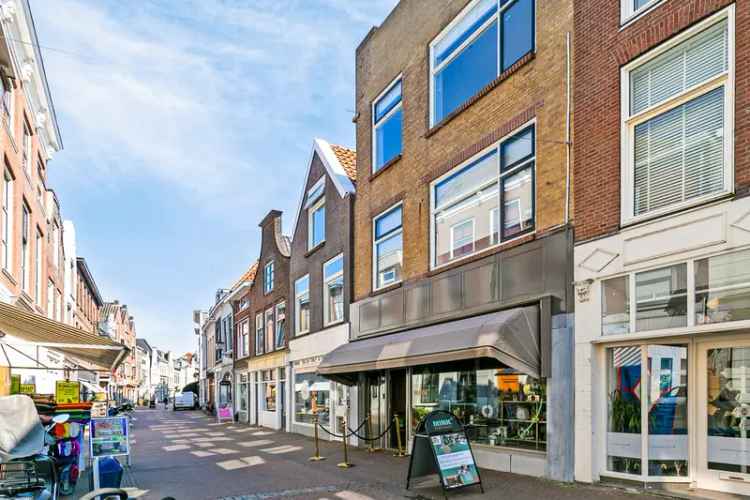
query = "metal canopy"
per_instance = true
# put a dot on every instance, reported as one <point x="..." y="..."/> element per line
<point x="511" y="337"/>
<point x="23" y="328"/>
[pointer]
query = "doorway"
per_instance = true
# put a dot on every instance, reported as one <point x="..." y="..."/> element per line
<point x="375" y="406"/>
<point x="397" y="402"/>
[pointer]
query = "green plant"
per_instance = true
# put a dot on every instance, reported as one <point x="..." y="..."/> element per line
<point x="625" y="415"/>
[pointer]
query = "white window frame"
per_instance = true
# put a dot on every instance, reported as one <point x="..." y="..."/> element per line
<point x="259" y="328"/>
<point x="268" y="313"/>
<point x="375" y="243"/>
<point x="628" y="123"/>
<point x="276" y="322"/>
<point x="473" y="234"/>
<point x="297" y="309"/>
<point x="6" y="213"/>
<point x="245" y="337"/>
<point x="374" y="127"/>
<point x="334" y="277"/>
<point x="458" y="50"/>
<point x="319" y="204"/>
<point x="628" y="13"/>
<point x="268" y="286"/>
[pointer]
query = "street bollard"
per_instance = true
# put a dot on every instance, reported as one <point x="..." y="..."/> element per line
<point x="345" y="464"/>
<point x="370" y="442"/>
<point x="316" y="457"/>
<point x="400" y="452"/>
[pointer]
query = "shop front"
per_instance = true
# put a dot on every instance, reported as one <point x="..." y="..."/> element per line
<point x="663" y="361"/>
<point x="267" y="381"/>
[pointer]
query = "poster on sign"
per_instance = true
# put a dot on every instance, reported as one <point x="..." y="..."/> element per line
<point x="224" y="413"/>
<point x="67" y="392"/>
<point x="109" y="437"/>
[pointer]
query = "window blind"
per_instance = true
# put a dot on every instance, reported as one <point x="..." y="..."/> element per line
<point x="691" y="63"/>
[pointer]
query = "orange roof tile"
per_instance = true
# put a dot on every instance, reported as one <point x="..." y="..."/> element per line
<point x="248" y="276"/>
<point x="348" y="159"/>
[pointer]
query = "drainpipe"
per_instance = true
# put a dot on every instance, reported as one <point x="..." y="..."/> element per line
<point x="568" y="143"/>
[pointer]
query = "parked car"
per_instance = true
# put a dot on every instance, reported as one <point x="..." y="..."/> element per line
<point x="184" y="401"/>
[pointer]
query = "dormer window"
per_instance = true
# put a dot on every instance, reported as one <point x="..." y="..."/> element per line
<point x="315" y="204"/>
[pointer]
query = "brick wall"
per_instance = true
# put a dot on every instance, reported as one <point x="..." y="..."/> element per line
<point x="601" y="48"/>
<point x="535" y="88"/>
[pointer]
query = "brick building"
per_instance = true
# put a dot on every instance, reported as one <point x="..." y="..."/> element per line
<point x="88" y="299"/>
<point x="462" y="252"/>
<point x="662" y="249"/>
<point x="240" y="296"/>
<point x="116" y="323"/>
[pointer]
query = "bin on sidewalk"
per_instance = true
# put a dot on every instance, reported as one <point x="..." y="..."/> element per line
<point x="110" y="473"/>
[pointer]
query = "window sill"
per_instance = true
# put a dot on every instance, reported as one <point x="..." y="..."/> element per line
<point x="385" y="167"/>
<point x="315" y="248"/>
<point x="387" y="288"/>
<point x="681" y="208"/>
<point x="483" y="92"/>
<point x="332" y="323"/>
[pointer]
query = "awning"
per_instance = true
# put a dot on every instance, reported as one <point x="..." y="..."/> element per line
<point x="511" y="337"/>
<point x="29" y="329"/>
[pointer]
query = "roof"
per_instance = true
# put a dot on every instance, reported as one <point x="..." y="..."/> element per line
<point x="89" y="279"/>
<point x="249" y="275"/>
<point x="24" y="328"/>
<point x="341" y="166"/>
<point x="143" y="344"/>
<point x="348" y="160"/>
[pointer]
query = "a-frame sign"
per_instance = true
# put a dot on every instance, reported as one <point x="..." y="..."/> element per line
<point x="441" y="447"/>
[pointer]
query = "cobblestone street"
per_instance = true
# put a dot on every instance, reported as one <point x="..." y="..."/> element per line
<point x="187" y="455"/>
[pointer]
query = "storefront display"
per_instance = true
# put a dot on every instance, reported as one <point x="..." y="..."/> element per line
<point x="268" y="388"/>
<point x="312" y="395"/>
<point x="499" y="406"/>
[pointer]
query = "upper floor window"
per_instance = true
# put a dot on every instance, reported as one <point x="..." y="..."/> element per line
<point x="302" y="304"/>
<point x="244" y="303"/>
<point x="259" y="336"/>
<point x="485" y="40"/>
<point x="386" y="125"/>
<point x="388" y="245"/>
<point x="333" y="290"/>
<point x="486" y="201"/>
<point x="270" y="324"/>
<point x="26" y="150"/>
<point x="6" y="101"/>
<point x="50" y="299"/>
<point x="6" y="220"/>
<point x="38" y="267"/>
<point x="280" y="324"/>
<point x="56" y="244"/>
<point x="316" y="214"/>
<point x="632" y="8"/>
<point x="268" y="277"/>
<point x="677" y="121"/>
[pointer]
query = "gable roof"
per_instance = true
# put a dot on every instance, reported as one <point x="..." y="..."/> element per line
<point x="249" y="275"/>
<point x="341" y="166"/>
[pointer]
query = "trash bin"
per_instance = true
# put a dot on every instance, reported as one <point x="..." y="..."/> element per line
<point x="110" y="473"/>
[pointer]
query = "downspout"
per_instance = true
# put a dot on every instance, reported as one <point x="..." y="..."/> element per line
<point x="568" y="143"/>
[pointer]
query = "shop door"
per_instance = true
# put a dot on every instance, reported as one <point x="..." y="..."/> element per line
<point x="723" y="439"/>
<point x="397" y="406"/>
<point x="375" y="405"/>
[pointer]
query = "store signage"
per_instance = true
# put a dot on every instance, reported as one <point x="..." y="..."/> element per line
<point x="28" y="389"/>
<point x="442" y="447"/>
<point x="67" y="392"/>
<point x="109" y="437"/>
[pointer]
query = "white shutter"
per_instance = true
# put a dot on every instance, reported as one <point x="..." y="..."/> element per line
<point x="688" y="64"/>
<point x="679" y="154"/>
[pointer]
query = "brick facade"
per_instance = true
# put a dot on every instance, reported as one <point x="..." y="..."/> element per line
<point x="602" y="47"/>
<point x="534" y="88"/>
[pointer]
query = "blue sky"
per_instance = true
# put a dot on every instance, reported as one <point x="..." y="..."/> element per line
<point x="184" y="122"/>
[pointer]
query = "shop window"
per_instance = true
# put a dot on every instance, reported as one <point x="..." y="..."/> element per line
<point x="661" y="298"/>
<point x="498" y="405"/>
<point x="624" y="410"/>
<point x="722" y="288"/>
<point x="268" y="389"/>
<point x="242" y="392"/>
<point x="333" y="290"/>
<point x="616" y="306"/>
<point x="386" y="125"/>
<point x="312" y="395"/>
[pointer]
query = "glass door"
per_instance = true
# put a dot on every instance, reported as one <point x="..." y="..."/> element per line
<point x="724" y="417"/>
<point x="375" y="405"/>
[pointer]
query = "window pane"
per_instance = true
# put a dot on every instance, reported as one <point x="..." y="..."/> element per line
<point x="387" y="222"/>
<point x="518" y="32"/>
<point x="616" y="306"/>
<point x="679" y="154"/>
<point x="280" y="325"/>
<point x="311" y="397"/>
<point x="333" y="267"/>
<point x="667" y="414"/>
<point x="468" y="24"/>
<point x="726" y="411"/>
<point x="302" y="285"/>
<point x="319" y="226"/>
<point x="722" y="288"/>
<point x="661" y="298"/>
<point x="388" y="139"/>
<point x="684" y="66"/>
<point x="637" y="4"/>
<point x="335" y="300"/>
<point x="388" y="101"/>
<point x="518" y="203"/>
<point x="462" y="238"/>
<point x="269" y="330"/>
<point x="389" y="256"/>
<point x="517" y="148"/>
<point x="467" y="73"/>
<point x="466" y="226"/>
<point x="624" y="410"/>
<point x="479" y="175"/>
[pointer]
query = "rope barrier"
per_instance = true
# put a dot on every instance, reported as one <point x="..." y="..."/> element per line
<point x="353" y="432"/>
<point x="342" y="436"/>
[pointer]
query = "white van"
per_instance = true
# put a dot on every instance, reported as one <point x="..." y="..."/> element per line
<point x="184" y="401"/>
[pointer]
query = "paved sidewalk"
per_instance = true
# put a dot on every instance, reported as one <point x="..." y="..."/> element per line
<point x="187" y="455"/>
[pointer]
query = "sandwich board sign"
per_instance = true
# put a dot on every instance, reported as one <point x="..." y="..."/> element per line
<point x="441" y="447"/>
<point x="109" y="437"/>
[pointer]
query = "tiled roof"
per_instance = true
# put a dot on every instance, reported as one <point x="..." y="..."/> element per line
<point x="248" y="276"/>
<point x="348" y="159"/>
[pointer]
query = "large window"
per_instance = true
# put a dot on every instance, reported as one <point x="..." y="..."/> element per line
<point x="722" y="288"/>
<point x="387" y="117"/>
<point x="662" y="412"/>
<point x="333" y="290"/>
<point x="661" y="298"/>
<point x="244" y="338"/>
<point x="268" y="390"/>
<point x="280" y="324"/>
<point x="6" y="222"/>
<point x="498" y="405"/>
<point x="270" y="328"/>
<point x="388" y="247"/>
<point x="268" y="277"/>
<point x="316" y="214"/>
<point x="312" y="396"/>
<point x="616" y="306"/>
<point x="486" y="201"/>
<point x="242" y="392"/>
<point x="259" y="334"/>
<point x="677" y="127"/>
<point x="302" y="304"/>
<point x="485" y="40"/>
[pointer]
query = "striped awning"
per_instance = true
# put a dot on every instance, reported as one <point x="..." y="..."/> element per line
<point x="21" y="328"/>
